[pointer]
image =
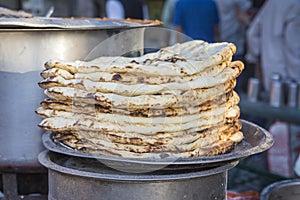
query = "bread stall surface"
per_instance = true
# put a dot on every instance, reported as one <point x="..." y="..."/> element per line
<point x="178" y="102"/>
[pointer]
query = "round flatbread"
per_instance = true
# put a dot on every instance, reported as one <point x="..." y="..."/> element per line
<point x="229" y="73"/>
<point x="189" y="61"/>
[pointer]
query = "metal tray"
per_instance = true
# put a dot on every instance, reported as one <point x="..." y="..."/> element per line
<point x="91" y="168"/>
<point x="256" y="140"/>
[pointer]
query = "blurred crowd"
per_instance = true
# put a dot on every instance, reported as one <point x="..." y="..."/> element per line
<point x="265" y="32"/>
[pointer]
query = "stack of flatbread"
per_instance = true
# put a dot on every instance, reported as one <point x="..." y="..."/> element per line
<point x="177" y="102"/>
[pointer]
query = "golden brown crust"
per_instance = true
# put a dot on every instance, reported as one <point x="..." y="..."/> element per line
<point x="177" y="102"/>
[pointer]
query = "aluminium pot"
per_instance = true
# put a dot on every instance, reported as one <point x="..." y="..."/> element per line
<point x="282" y="190"/>
<point x="75" y="178"/>
<point x="26" y="44"/>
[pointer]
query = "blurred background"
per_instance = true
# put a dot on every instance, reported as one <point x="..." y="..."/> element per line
<point x="74" y="8"/>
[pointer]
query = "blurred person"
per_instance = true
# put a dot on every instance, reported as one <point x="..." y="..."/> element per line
<point x="168" y="12"/>
<point x="122" y="9"/>
<point x="233" y="22"/>
<point x="90" y="8"/>
<point x="234" y="19"/>
<point x="197" y="19"/>
<point x="273" y="40"/>
<point x="11" y="4"/>
<point x="85" y="8"/>
<point x="167" y="18"/>
<point x="256" y="5"/>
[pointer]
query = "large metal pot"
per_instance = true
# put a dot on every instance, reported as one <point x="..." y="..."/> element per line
<point x="24" y="47"/>
<point x="288" y="189"/>
<point x="77" y="178"/>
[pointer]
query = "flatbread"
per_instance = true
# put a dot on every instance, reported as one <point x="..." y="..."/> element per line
<point x="191" y="97"/>
<point x="123" y="119"/>
<point x="76" y="107"/>
<point x="228" y="74"/>
<point x="189" y="62"/>
<point x="201" y="142"/>
<point x="87" y="123"/>
<point x="220" y="147"/>
<point x="161" y="138"/>
<point x="8" y="13"/>
<point x="177" y="102"/>
<point x="130" y="79"/>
